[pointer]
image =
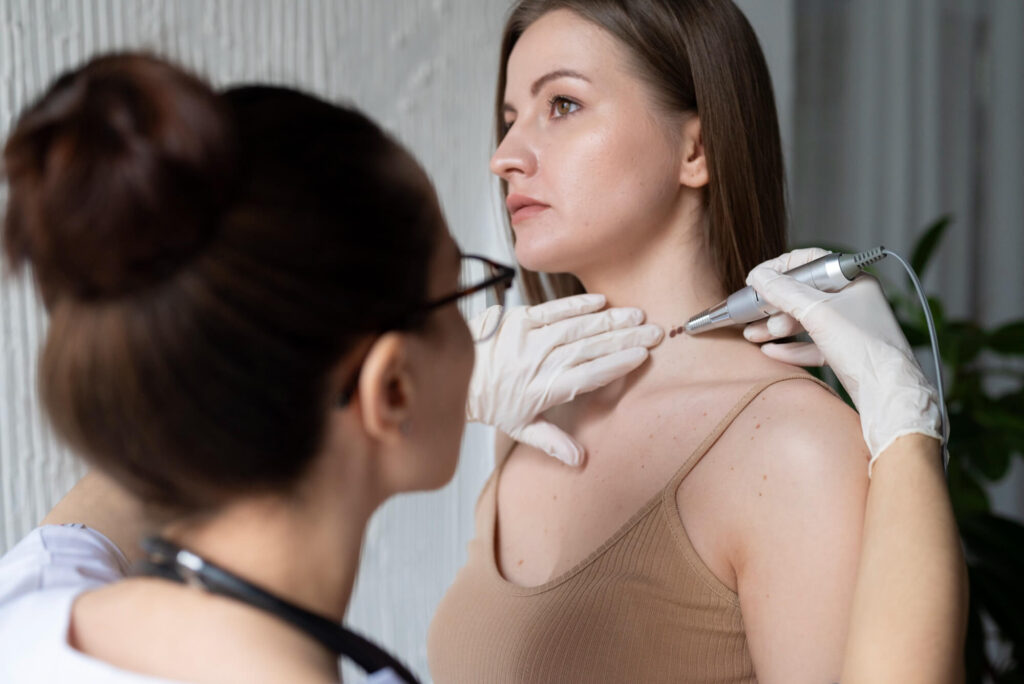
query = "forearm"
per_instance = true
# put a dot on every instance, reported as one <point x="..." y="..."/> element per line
<point x="98" y="502"/>
<point x="909" y="611"/>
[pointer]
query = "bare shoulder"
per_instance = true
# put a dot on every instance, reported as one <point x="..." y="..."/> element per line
<point x="799" y="441"/>
<point x="796" y="421"/>
<point x="791" y="466"/>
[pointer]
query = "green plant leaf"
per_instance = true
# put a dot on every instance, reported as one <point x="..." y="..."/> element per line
<point x="996" y="417"/>
<point x="961" y="343"/>
<point x="968" y="497"/>
<point x="992" y="457"/>
<point x="976" y="660"/>
<point x="1009" y="339"/>
<point x="925" y="247"/>
<point x="916" y="334"/>
<point x="938" y="316"/>
<point x="998" y="595"/>
<point x="996" y="538"/>
<point x="994" y="546"/>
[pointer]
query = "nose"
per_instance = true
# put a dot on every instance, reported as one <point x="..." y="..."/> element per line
<point x="514" y="156"/>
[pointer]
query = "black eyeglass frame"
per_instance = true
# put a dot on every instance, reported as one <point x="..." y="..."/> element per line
<point x="503" y="275"/>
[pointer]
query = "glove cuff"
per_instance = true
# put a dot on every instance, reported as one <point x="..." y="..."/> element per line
<point x="926" y="431"/>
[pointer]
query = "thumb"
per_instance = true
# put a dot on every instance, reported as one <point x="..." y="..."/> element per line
<point x="484" y="320"/>
<point x="552" y="440"/>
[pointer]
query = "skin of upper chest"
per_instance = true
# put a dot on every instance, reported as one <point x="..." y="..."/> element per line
<point x="552" y="516"/>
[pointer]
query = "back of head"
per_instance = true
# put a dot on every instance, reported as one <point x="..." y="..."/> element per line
<point x="697" y="56"/>
<point x="207" y="260"/>
<point x="96" y="157"/>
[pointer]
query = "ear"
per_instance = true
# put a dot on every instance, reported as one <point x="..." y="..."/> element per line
<point x="386" y="389"/>
<point x="693" y="172"/>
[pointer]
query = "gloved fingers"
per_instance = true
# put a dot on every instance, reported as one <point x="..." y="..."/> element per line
<point x="484" y="320"/>
<point x="795" y="353"/>
<point x="552" y="440"/>
<point x="773" y="327"/>
<point x="785" y="292"/>
<point x="607" y="343"/>
<point x="566" y="307"/>
<point x="581" y="327"/>
<point x="589" y="376"/>
<point x="790" y="260"/>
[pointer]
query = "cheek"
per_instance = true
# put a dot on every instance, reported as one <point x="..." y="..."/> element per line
<point x="606" y="187"/>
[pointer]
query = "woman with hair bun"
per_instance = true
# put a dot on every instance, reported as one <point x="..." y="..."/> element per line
<point x="253" y="340"/>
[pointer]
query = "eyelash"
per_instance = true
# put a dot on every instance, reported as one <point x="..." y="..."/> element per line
<point x="551" y="106"/>
<point x="562" y="98"/>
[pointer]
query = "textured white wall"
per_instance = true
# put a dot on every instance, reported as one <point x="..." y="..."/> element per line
<point x="425" y="70"/>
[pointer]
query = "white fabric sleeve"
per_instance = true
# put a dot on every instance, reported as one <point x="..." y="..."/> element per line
<point x="59" y="556"/>
<point x="385" y="676"/>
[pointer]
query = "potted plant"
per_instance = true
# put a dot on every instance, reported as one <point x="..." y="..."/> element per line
<point x="984" y="381"/>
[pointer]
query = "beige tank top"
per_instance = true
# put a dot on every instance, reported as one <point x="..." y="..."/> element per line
<point x="643" y="607"/>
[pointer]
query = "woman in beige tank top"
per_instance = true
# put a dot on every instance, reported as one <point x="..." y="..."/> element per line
<point x="713" y="532"/>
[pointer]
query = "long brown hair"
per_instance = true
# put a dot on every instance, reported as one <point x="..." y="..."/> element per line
<point x="698" y="56"/>
<point x="207" y="260"/>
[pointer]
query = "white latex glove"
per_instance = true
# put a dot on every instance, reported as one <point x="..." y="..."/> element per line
<point x="855" y="332"/>
<point x="545" y="355"/>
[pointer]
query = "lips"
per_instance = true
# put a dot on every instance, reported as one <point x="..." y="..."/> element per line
<point x="522" y="207"/>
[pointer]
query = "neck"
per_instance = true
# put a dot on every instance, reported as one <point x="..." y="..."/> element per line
<point x="302" y="547"/>
<point x="310" y="561"/>
<point x="671" y="280"/>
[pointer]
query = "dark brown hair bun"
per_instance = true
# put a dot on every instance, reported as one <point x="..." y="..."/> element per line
<point x="118" y="176"/>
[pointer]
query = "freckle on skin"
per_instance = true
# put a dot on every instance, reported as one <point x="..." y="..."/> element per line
<point x="705" y="413"/>
<point x="759" y="493"/>
<point x="520" y="562"/>
<point x="764" y="477"/>
<point x="757" y="427"/>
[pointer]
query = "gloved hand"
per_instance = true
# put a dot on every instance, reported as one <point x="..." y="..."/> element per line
<point x="545" y="355"/>
<point x="855" y="332"/>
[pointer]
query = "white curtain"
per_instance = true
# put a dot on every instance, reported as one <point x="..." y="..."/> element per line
<point x="907" y="110"/>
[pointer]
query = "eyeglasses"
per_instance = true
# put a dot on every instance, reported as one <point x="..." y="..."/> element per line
<point x="474" y="295"/>
<point x="482" y="284"/>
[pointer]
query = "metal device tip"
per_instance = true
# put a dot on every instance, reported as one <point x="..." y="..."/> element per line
<point x="698" y="322"/>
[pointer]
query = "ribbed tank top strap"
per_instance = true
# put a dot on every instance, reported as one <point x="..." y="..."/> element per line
<point x="724" y="424"/>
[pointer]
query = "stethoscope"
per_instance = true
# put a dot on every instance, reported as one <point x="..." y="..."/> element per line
<point x="171" y="562"/>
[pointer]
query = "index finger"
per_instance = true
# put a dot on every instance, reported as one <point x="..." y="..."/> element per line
<point x="566" y="307"/>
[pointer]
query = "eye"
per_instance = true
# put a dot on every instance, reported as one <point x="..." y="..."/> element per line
<point x="562" y="106"/>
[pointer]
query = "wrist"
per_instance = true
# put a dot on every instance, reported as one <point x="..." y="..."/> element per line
<point x="909" y="452"/>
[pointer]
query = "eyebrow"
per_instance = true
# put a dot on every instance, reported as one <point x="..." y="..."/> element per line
<point x="550" y="76"/>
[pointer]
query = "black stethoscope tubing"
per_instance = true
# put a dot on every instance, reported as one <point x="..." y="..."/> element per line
<point x="172" y="562"/>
